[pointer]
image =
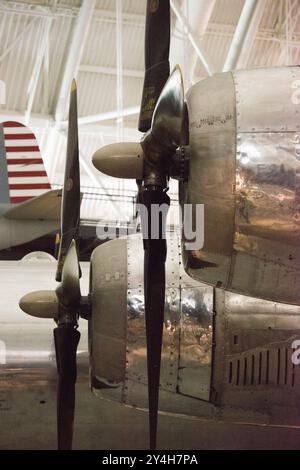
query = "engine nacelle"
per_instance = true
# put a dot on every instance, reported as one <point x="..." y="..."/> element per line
<point x="118" y="340"/>
<point x="225" y="356"/>
<point x="245" y="168"/>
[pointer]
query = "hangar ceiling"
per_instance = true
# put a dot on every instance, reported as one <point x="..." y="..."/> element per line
<point x="44" y="43"/>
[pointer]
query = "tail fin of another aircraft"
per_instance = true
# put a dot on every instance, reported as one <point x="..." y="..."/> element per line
<point x="47" y="206"/>
<point x="22" y="172"/>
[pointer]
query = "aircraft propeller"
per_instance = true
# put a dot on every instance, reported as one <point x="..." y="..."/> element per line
<point x="66" y="303"/>
<point x="162" y="118"/>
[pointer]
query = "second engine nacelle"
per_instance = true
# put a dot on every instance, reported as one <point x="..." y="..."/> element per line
<point x="118" y="340"/>
<point x="225" y="356"/>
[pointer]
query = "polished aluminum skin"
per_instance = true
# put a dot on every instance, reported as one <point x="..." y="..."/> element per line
<point x="243" y="327"/>
<point x="244" y="167"/>
<point x="225" y="356"/>
<point x="118" y="342"/>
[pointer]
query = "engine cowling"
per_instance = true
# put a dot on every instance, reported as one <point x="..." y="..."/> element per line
<point x="245" y="168"/>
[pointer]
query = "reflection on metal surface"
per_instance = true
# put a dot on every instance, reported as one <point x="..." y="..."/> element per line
<point x="225" y="355"/>
<point x="267" y="208"/>
<point x="196" y="342"/>
<point x="136" y="367"/>
<point x="187" y="334"/>
<point x="245" y="168"/>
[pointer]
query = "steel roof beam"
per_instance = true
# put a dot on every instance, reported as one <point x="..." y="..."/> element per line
<point x="72" y="62"/>
<point x="111" y="71"/>
<point x="192" y="38"/>
<point x="42" y="52"/>
<point x="106" y="116"/>
<point x="240" y="34"/>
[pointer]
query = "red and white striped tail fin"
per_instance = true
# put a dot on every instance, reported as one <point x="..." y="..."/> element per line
<point x="26" y="172"/>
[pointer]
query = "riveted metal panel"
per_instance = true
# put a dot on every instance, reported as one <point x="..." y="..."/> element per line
<point x="266" y="99"/>
<point x="118" y="337"/>
<point x="136" y="357"/>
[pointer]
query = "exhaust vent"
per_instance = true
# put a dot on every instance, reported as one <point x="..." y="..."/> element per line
<point x="264" y="367"/>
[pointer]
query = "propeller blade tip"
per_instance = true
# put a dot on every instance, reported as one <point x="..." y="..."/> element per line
<point x="178" y="70"/>
<point x="74" y="85"/>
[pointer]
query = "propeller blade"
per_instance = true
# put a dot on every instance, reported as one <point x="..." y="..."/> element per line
<point x="168" y="123"/>
<point x="155" y="251"/>
<point x="70" y="214"/>
<point x="66" y="336"/>
<point x="63" y="305"/>
<point x="158" y="144"/>
<point x="66" y="339"/>
<point x="157" y="68"/>
<point x="69" y="290"/>
<point x="169" y="115"/>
